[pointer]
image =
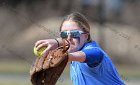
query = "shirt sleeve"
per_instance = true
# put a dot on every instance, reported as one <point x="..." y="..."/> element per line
<point x="93" y="56"/>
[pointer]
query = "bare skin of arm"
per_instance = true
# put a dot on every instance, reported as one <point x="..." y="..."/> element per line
<point x="75" y="56"/>
<point x="52" y="44"/>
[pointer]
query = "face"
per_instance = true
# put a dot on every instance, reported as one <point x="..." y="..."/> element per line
<point x="75" y="42"/>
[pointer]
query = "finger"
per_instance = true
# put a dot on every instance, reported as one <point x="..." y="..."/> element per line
<point x="42" y="59"/>
<point x="47" y="61"/>
<point x="36" y="62"/>
<point x="45" y="52"/>
<point x="41" y="45"/>
<point x="39" y="42"/>
<point x="38" y="65"/>
<point x="33" y="68"/>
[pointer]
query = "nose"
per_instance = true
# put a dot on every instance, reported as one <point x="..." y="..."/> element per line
<point x="69" y="38"/>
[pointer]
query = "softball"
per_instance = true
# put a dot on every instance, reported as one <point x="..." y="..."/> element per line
<point x="38" y="52"/>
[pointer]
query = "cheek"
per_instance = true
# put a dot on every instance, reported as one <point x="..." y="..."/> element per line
<point x="76" y="42"/>
<point x="74" y="45"/>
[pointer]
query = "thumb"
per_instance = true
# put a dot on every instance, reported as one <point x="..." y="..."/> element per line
<point x="42" y="58"/>
<point x="46" y="51"/>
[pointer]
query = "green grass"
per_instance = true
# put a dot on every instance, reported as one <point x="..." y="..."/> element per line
<point x="14" y="66"/>
<point x="129" y="71"/>
<point x="15" y="72"/>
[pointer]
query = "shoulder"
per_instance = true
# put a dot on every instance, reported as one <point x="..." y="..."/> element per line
<point x="91" y="44"/>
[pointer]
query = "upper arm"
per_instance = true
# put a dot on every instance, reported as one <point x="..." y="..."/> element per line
<point x="77" y="56"/>
<point x="93" y="56"/>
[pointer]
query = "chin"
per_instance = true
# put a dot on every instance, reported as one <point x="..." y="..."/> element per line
<point x="70" y="50"/>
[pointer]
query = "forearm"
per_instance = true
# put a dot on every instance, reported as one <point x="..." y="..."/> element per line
<point x="60" y="41"/>
<point x="77" y="56"/>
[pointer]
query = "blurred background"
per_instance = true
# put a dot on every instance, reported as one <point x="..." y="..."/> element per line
<point x="115" y="24"/>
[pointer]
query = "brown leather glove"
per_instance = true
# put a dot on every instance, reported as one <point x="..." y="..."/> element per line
<point x="47" y="70"/>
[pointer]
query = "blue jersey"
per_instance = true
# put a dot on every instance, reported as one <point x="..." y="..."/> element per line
<point x="97" y="69"/>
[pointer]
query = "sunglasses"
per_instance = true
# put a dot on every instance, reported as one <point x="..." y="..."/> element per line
<point x="72" y="33"/>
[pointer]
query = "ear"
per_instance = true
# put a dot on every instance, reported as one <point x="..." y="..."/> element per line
<point x="86" y="36"/>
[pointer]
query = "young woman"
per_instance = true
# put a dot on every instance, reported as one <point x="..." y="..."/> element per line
<point x="90" y="65"/>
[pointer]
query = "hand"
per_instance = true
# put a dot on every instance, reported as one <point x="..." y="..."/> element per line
<point x="47" y="70"/>
<point x="49" y="43"/>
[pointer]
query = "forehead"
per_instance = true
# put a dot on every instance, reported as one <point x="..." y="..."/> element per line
<point x="69" y="25"/>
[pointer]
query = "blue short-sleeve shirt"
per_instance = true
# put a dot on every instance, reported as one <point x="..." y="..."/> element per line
<point x="97" y="69"/>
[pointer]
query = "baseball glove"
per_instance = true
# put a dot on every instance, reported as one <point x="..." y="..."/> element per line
<point x="47" y="70"/>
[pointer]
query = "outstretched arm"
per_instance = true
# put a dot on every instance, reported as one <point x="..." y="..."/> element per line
<point x="77" y="56"/>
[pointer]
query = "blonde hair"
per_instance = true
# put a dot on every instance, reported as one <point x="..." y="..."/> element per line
<point x="80" y="20"/>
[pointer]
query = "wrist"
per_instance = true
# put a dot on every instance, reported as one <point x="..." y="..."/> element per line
<point x="60" y="41"/>
<point x="57" y="42"/>
<point x="69" y="59"/>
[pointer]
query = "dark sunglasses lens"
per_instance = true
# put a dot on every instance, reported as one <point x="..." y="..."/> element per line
<point x="75" y="34"/>
<point x="63" y="34"/>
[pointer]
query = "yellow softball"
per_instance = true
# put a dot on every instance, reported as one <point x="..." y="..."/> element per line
<point x="38" y="52"/>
